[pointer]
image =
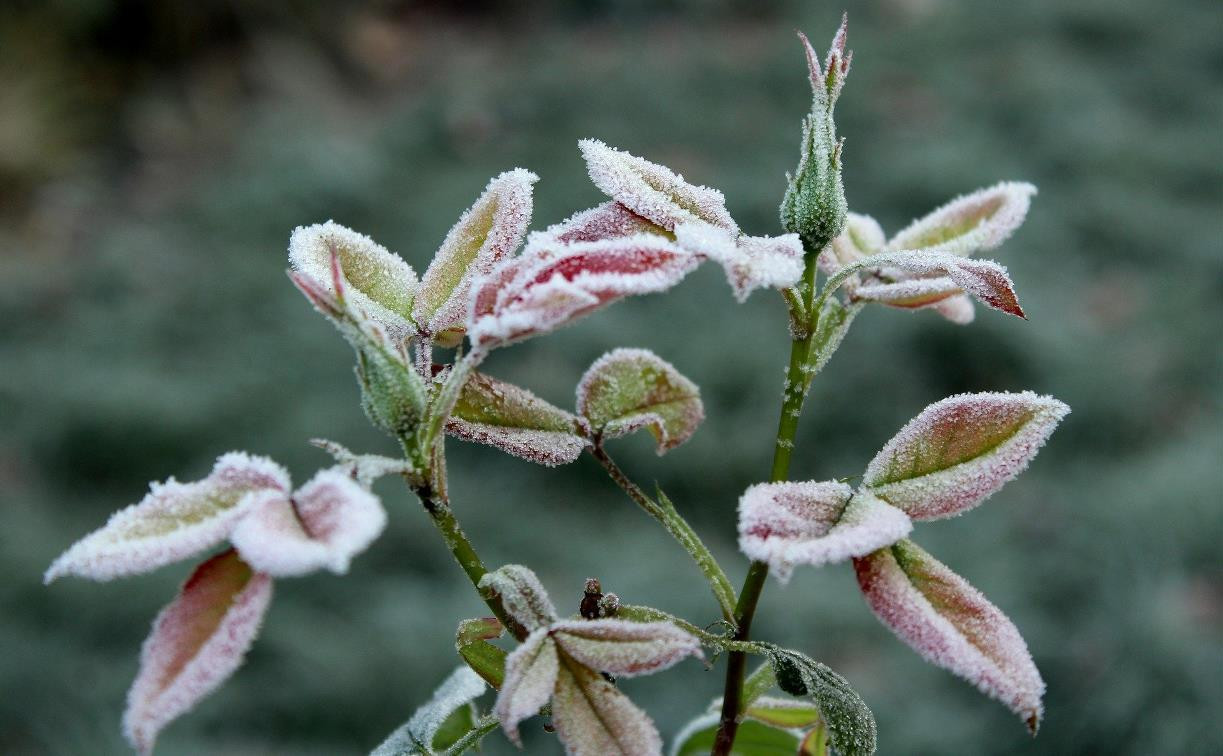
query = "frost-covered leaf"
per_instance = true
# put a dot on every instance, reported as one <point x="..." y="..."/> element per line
<point x="951" y="625"/>
<point x="522" y="595"/>
<point x="653" y="191"/>
<point x="860" y="238"/>
<point x="935" y="276"/>
<point x="487" y="660"/>
<point x="625" y="649"/>
<point x="611" y="220"/>
<point x="786" y="524"/>
<point x="959" y="451"/>
<point x="785" y="713"/>
<point x="324" y="525"/>
<point x="752" y="738"/>
<point x="628" y="389"/>
<point x="530" y="677"/>
<point x="197" y="642"/>
<point x="378" y="281"/>
<point x="834" y="321"/>
<point x="363" y="468"/>
<point x="849" y="721"/>
<point x="593" y="718"/>
<point x="553" y="284"/>
<point x="487" y="233"/>
<point x="423" y="733"/>
<point x="514" y="420"/>
<point x="173" y="521"/>
<point x="971" y="223"/>
<point x="750" y="262"/>
<point x="957" y="309"/>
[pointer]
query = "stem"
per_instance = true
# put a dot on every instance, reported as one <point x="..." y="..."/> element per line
<point x="678" y="527"/>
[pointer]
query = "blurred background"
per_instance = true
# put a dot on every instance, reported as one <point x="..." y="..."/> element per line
<point x="155" y="156"/>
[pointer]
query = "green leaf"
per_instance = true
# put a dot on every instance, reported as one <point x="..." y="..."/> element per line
<point x="485" y="659"/>
<point x="752" y="739"/>
<point x="512" y="419"/>
<point x="849" y="721"/>
<point x="439" y="723"/>
<point x="628" y="389"/>
<point x="786" y="713"/>
<point x="834" y="321"/>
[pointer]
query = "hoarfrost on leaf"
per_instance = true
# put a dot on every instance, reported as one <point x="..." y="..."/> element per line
<point x="530" y="677"/>
<point x="363" y="468"/>
<point x="418" y="734"/>
<point x="850" y="723"/>
<point x="750" y="262"/>
<point x="522" y="595"/>
<point x="972" y="223"/>
<point x="926" y="278"/>
<point x="511" y="418"/>
<point x="950" y="624"/>
<point x="625" y="649"/>
<point x="628" y="389"/>
<point x="611" y="220"/>
<point x="593" y="718"/>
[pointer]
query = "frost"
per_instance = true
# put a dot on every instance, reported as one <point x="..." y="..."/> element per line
<point x="959" y="451"/>
<point x="625" y="649"/>
<point x="500" y="414"/>
<point x="417" y="735"/>
<point x="786" y="524"/>
<point x="930" y="277"/>
<point x="611" y="220"/>
<point x="486" y="234"/>
<point x="363" y="468"/>
<point x="750" y="262"/>
<point x="851" y="725"/>
<point x="522" y="595"/>
<point x="173" y="521"/>
<point x="971" y="223"/>
<point x="950" y="624"/>
<point x="593" y="718"/>
<point x="628" y="389"/>
<point x="379" y="281"/>
<point x="552" y="283"/>
<point x="326" y="522"/>
<point x="653" y="191"/>
<point x="530" y="677"/>
<point x="197" y="642"/>
<point x="861" y="238"/>
<point x="957" y="309"/>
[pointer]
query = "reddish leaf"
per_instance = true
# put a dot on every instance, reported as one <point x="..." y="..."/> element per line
<point x="593" y="718"/>
<point x="514" y="420"/>
<point x="611" y="220"/>
<point x="628" y="389"/>
<point x="623" y="648"/>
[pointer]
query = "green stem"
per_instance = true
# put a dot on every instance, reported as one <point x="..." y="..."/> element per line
<point x="678" y="527"/>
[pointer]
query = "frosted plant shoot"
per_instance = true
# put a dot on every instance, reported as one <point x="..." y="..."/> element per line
<point x="419" y="343"/>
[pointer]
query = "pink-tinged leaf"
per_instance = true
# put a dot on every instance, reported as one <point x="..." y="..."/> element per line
<point x="197" y="642"/>
<point x="861" y="238"/>
<point x="611" y="220"/>
<point x="486" y="234"/>
<point x="515" y="421"/>
<point x="909" y="293"/>
<point x="750" y="262"/>
<point x="593" y="718"/>
<point x="628" y="389"/>
<point x="324" y="525"/>
<point x="951" y="625"/>
<point x="522" y="595"/>
<point x="787" y="524"/>
<point x="653" y="191"/>
<point x="935" y="276"/>
<point x="376" y="280"/>
<point x="957" y="309"/>
<point x="553" y="284"/>
<point x="972" y="223"/>
<point x="625" y="649"/>
<point x="173" y="521"/>
<point x="363" y="468"/>
<point x="959" y="451"/>
<point x="530" y="677"/>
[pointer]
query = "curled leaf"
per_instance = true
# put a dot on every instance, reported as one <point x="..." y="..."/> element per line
<point x="628" y="389"/>
<point x="849" y="721"/>
<point x="173" y="521"/>
<point x="487" y="660"/>
<point x="197" y="642"/>
<point x="653" y="191"/>
<point x="951" y="625"/>
<point x="553" y="284"/>
<point x="378" y="281"/>
<point x="593" y="718"/>
<point x="750" y="262"/>
<point x="363" y="468"/>
<point x="530" y="676"/>
<point x="935" y="276"/>
<point x="522" y="595"/>
<point x="427" y="731"/>
<point x="969" y="224"/>
<point x="324" y="524"/>
<point x="959" y="451"/>
<point x="514" y="420"/>
<point x="785" y="524"/>
<point x="611" y="220"/>
<point x="623" y="648"/>
<point x="487" y="233"/>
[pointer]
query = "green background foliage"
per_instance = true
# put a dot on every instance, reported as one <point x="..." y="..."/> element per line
<point x="154" y="157"/>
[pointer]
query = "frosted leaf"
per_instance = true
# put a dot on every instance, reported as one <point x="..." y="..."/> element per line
<point x="625" y="649"/>
<point x="487" y="660"/>
<point x="972" y="223"/>
<point x="786" y="524"/>
<point x="937" y="276"/>
<point x="653" y="191"/>
<point x="851" y="726"/>
<point x="514" y="420"/>
<point x="324" y="525"/>
<point x="950" y="624"/>
<point x="552" y="284"/>
<point x="750" y="262"/>
<point x="378" y="281"/>
<point x="530" y="676"/>
<point x="628" y="389"/>
<point x="959" y="451"/>
<point x="487" y="233"/>
<point x="785" y="713"/>
<point x="593" y="718"/>
<point x="173" y="521"/>
<point x="957" y="309"/>
<point x="697" y="737"/>
<point x="611" y="220"/>
<point x="861" y="237"/>
<point x="418" y="734"/>
<point x="522" y="595"/>
<point x="363" y="468"/>
<point x="834" y="321"/>
<point x="197" y="642"/>
<point x="909" y="293"/>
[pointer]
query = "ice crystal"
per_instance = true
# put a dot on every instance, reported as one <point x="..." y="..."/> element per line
<point x="625" y="649"/>
<point x="530" y="677"/>
<point x="417" y="735"/>
<point x="861" y="237"/>
<point x="972" y="223"/>
<point x="611" y="220"/>
<point x="750" y="262"/>
<point x="959" y="451"/>
<point x="593" y="718"/>
<point x="915" y="279"/>
<point x="363" y="468"/>
<point x="851" y="725"/>
<point x="628" y="389"/>
<point x="522" y="595"/>
<point x="950" y="624"/>
<point x="197" y="642"/>
<point x="500" y="414"/>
